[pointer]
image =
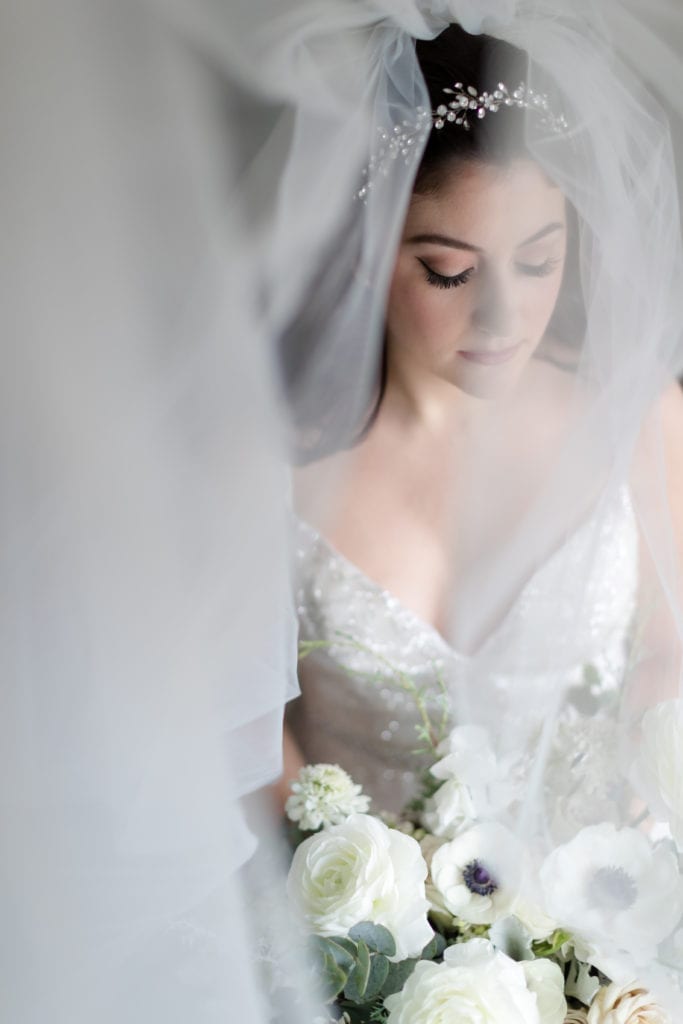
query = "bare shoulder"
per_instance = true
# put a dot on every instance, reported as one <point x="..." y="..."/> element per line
<point x="671" y="417"/>
<point x="314" y="483"/>
<point x="671" y="407"/>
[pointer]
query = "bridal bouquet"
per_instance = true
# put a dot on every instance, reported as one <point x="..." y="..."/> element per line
<point x="442" y="914"/>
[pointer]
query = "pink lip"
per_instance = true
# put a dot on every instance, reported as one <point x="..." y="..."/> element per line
<point x="491" y="358"/>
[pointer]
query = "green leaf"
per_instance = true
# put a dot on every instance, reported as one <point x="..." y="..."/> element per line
<point x="552" y="945"/>
<point x="397" y="976"/>
<point x="344" y="958"/>
<point x="376" y="937"/>
<point x="358" y="979"/>
<point x="434" y="948"/>
<point x="591" y="675"/>
<point x="333" y="978"/>
<point x="379" y="971"/>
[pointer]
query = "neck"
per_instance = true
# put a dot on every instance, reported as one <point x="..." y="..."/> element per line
<point x="419" y="401"/>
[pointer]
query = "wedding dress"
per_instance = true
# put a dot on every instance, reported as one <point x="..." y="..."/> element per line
<point x="353" y="710"/>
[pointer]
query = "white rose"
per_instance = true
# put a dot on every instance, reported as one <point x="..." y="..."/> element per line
<point x="626" y="1004"/>
<point x="546" y="980"/>
<point x="358" y="871"/>
<point x="659" y="766"/>
<point x="477" y="874"/>
<point x="474" y="985"/>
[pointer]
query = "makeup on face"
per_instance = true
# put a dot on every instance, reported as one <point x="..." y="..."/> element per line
<point x="478" y="274"/>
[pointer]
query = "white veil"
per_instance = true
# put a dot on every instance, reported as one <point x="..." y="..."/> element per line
<point x="624" y="350"/>
<point x="179" y="187"/>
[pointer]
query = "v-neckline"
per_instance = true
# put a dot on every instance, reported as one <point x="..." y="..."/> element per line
<point x="391" y="600"/>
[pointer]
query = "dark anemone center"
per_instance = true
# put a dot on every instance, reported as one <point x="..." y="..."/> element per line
<point x="478" y="879"/>
<point x="612" y="889"/>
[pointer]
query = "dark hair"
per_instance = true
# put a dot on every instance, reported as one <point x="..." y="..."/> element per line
<point x="480" y="62"/>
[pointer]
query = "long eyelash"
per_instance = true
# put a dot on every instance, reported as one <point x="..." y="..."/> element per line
<point x="542" y="270"/>
<point x="440" y="281"/>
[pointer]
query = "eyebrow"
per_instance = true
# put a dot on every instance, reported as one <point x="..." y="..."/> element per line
<point x="456" y="243"/>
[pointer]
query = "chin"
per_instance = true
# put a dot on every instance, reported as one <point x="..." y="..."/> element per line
<point x="487" y="382"/>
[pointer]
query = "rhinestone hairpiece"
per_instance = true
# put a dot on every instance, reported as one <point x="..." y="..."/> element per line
<point x="404" y="140"/>
<point x="468" y="101"/>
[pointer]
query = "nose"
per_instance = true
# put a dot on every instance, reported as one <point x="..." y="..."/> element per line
<point x="494" y="313"/>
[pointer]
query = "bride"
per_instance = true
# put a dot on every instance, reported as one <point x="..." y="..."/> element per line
<point x="481" y="538"/>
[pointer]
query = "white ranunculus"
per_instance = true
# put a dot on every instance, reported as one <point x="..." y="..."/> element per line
<point x="658" y="771"/>
<point x="612" y="889"/>
<point x="626" y="1004"/>
<point x="477" y="874"/>
<point x="475" y="984"/>
<point x="546" y="980"/>
<point x="361" y="870"/>
<point x="324" y="794"/>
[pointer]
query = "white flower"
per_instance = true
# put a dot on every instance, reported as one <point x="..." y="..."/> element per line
<point x="546" y="980"/>
<point x="626" y="1004"/>
<point x="475" y="783"/>
<point x="576" y="1017"/>
<point x="658" y="772"/>
<point x="450" y="809"/>
<point x="474" y="985"/>
<point x="324" y="794"/>
<point x="611" y="888"/>
<point x="533" y="917"/>
<point x="362" y="871"/>
<point x="477" y="874"/>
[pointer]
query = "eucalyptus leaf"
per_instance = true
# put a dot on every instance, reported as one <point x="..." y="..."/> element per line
<point x="397" y="976"/>
<point x="333" y="978"/>
<point x="376" y="937"/>
<point x="379" y="971"/>
<point x="344" y="957"/>
<point x="357" y="983"/>
<point x="434" y="948"/>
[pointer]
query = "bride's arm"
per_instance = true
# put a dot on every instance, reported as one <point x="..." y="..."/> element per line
<point x="292" y="761"/>
<point x="659" y="644"/>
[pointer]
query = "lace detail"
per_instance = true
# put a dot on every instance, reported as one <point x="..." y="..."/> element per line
<point x="351" y="711"/>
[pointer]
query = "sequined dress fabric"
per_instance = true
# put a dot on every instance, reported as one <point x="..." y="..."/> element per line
<point x="354" y="710"/>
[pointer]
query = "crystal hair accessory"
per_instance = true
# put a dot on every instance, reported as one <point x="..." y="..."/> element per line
<point x="468" y="101"/>
<point x="403" y="142"/>
<point x="405" y="139"/>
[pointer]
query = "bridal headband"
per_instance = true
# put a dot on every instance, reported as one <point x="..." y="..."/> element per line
<point x="467" y="99"/>
<point x="405" y="139"/>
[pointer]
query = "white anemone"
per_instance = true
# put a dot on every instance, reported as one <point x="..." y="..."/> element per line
<point x="478" y="873"/>
<point x="612" y="888"/>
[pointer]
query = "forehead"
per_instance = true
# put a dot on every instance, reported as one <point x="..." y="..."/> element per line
<point x="488" y="206"/>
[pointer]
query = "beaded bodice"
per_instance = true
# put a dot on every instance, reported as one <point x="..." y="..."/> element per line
<point x="356" y="707"/>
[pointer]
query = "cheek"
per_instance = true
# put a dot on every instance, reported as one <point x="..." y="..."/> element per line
<point x="423" y="317"/>
<point x="540" y="300"/>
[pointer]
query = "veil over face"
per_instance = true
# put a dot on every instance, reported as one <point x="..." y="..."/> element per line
<point x="569" y="422"/>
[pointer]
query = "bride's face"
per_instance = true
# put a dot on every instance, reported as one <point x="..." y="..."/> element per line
<point x="477" y="277"/>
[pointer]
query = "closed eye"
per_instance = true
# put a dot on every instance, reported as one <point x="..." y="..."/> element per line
<point x="539" y="269"/>
<point x="442" y="281"/>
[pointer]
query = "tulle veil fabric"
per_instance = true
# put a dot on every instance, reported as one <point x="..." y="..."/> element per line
<point x="186" y="262"/>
